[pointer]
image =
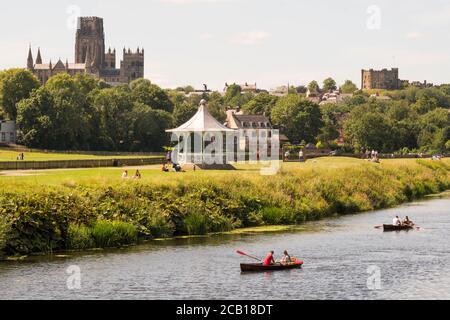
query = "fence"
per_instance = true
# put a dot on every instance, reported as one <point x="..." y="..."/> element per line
<point x="67" y="164"/>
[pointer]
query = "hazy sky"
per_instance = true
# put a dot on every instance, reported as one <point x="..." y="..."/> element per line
<point x="265" y="41"/>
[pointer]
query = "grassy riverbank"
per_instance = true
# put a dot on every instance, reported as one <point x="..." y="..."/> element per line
<point x="81" y="209"/>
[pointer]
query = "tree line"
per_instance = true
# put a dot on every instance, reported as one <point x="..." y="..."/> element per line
<point x="83" y="113"/>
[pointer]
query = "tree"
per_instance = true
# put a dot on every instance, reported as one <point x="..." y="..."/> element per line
<point x="35" y="117"/>
<point x="329" y="84"/>
<point x="112" y="109"/>
<point x="56" y="116"/>
<point x="299" y="118"/>
<point x="260" y="104"/>
<point x="216" y="106"/>
<point x="348" y="87"/>
<point x="143" y="91"/>
<point x="301" y="89"/>
<point x="447" y="146"/>
<point x="368" y="129"/>
<point x="15" y="85"/>
<point x="313" y="86"/>
<point x="183" y="112"/>
<point x="148" y="128"/>
<point x="234" y="96"/>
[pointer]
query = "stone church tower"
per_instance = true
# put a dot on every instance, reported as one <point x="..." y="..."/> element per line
<point x="92" y="58"/>
<point x="90" y="43"/>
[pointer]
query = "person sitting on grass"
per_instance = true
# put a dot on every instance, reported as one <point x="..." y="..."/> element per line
<point x="137" y="175"/>
<point x="269" y="260"/>
<point x="125" y="174"/>
<point x="164" y="168"/>
<point x="177" y="168"/>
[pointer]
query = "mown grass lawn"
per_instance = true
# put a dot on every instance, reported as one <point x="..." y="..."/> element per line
<point x="9" y="156"/>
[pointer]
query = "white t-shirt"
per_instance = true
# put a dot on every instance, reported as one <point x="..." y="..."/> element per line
<point x="396" y="221"/>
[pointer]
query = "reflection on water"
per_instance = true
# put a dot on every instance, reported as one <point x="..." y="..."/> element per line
<point x="337" y="254"/>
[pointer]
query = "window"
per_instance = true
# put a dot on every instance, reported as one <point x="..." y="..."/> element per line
<point x="3" y="136"/>
<point x="11" y="136"/>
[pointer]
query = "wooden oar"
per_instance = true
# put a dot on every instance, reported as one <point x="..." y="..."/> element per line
<point x="378" y="227"/>
<point x="247" y="255"/>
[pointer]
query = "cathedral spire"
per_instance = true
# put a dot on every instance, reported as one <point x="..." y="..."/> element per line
<point x="39" y="58"/>
<point x="30" y="63"/>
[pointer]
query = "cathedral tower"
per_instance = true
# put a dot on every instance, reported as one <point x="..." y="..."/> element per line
<point x="90" y="40"/>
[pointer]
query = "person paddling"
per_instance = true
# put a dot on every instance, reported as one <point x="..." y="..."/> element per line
<point x="396" y="221"/>
<point x="269" y="259"/>
<point x="408" y="222"/>
<point x="286" y="258"/>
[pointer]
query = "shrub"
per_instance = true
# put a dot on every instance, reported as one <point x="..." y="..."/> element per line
<point x="79" y="238"/>
<point x="196" y="224"/>
<point x="108" y="234"/>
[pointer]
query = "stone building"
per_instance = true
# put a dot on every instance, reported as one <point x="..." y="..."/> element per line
<point x="92" y="58"/>
<point x="380" y="79"/>
<point x="7" y="131"/>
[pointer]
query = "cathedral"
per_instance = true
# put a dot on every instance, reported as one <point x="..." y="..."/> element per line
<point x="92" y="58"/>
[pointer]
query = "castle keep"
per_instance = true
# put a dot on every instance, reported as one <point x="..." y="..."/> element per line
<point x="380" y="79"/>
<point x="91" y="57"/>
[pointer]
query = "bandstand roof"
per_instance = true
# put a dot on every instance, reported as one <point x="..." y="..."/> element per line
<point x="202" y="121"/>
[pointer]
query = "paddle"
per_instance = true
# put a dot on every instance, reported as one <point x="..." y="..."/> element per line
<point x="247" y="255"/>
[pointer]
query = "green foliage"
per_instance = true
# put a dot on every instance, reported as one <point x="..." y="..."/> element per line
<point x="143" y="91"/>
<point x="108" y="234"/>
<point x="329" y="84"/>
<point x="348" y="87"/>
<point x="79" y="238"/>
<point x="15" y="85"/>
<point x="313" y="86"/>
<point x="80" y="113"/>
<point x="368" y="130"/>
<point x="196" y="224"/>
<point x="299" y="119"/>
<point x="83" y="113"/>
<point x="261" y="104"/>
<point x="234" y="96"/>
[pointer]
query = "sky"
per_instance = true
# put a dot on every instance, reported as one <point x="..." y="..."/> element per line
<point x="268" y="42"/>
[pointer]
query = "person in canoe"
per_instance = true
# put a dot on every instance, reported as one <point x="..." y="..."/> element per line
<point x="269" y="260"/>
<point x="407" y="222"/>
<point x="286" y="258"/>
<point x="396" y="221"/>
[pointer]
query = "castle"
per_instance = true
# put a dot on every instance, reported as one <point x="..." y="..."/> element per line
<point x="91" y="57"/>
<point x="380" y="79"/>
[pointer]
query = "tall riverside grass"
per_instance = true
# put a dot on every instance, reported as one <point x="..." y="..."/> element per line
<point x="82" y="215"/>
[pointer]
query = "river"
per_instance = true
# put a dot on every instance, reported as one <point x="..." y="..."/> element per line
<point x="345" y="258"/>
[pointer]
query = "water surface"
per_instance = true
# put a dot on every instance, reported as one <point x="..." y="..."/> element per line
<point x="337" y="255"/>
